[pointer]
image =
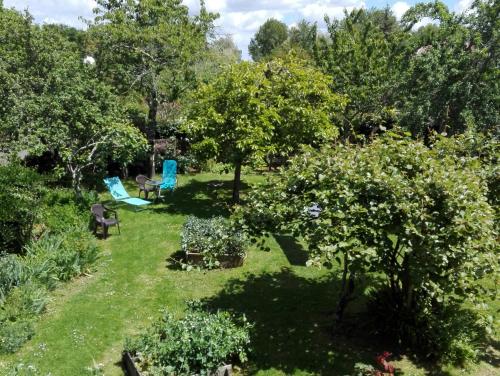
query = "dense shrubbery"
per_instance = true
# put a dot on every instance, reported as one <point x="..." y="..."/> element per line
<point x="197" y="344"/>
<point x="20" y="193"/>
<point x="398" y="208"/>
<point x="61" y="247"/>
<point x="212" y="238"/>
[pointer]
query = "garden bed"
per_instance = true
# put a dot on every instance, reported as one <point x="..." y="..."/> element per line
<point x="226" y="261"/>
<point x="132" y="369"/>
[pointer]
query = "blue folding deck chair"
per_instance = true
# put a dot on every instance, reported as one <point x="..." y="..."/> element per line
<point x="119" y="193"/>
<point x="169" y="176"/>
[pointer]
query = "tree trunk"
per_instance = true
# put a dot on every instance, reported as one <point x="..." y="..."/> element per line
<point x="151" y="128"/>
<point x="76" y="182"/>
<point x="347" y="289"/>
<point x="237" y="182"/>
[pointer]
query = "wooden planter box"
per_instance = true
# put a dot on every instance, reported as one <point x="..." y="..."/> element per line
<point x="226" y="261"/>
<point x="132" y="370"/>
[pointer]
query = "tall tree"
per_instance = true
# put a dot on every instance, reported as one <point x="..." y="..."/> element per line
<point x="150" y="46"/>
<point x="271" y="35"/>
<point x="361" y="54"/>
<point x="221" y="52"/>
<point x="450" y="79"/>
<point x="251" y="110"/>
<point x="304" y="36"/>
<point x="53" y="102"/>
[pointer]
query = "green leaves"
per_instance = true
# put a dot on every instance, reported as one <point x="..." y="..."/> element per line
<point x="382" y="204"/>
<point x="198" y="343"/>
<point x="212" y="238"/>
<point x="254" y="110"/>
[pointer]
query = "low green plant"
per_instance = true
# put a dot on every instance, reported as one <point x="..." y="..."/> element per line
<point x="62" y="211"/>
<point x="213" y="237"/>
<point x="24" y="280"/>
<point x="197" y="344"/>
<point x="24" y="301"/>
<point x="12" y="273"/>
<point x="13" y="334"/>
<point x="17" y="312"/>
<point x="22" y="369"/>
<point x="62" y="256"/>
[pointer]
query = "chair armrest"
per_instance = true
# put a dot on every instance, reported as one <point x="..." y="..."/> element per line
<point x="115" y="213"/>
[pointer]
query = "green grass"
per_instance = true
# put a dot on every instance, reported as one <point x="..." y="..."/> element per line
<point x="88" y="319"/>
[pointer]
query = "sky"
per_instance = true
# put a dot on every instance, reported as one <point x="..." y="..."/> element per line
<point x="238" y="18"/>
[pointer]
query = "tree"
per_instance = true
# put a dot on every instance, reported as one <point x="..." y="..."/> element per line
<point x="361" y="53"/>
<point x="251" y="110"/>
<point x="16" y="36"/>
<point x="80" y="121"/>
<point x="270" y="35"/>
<point x="53" y="102"/>
<point x="394" y="208"/>
<point x="304" y="37"/>
<point x="221" y="52"/>
<point x="449" y="76"/>
<point x="150" y="46"/>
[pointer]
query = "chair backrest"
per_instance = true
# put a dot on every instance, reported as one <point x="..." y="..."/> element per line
<point x="141" y="180"/>
<point x="98" y="211"/>
<point x="116" y="188"/>
<point x="169" y="177"/>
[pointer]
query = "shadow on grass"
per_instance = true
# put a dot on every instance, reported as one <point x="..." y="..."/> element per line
<point x="293" y="326"/>
<point x="203" y="199"/>
<point x="294" y="251"/>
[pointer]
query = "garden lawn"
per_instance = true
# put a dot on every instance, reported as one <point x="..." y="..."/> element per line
<point x="88" y="319"/>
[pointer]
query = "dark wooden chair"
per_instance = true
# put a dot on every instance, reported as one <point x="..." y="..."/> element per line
<point x="99" y="212"/>
<point x="146" y="185"/>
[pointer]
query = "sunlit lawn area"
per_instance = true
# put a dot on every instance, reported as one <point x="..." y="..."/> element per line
<point x="88" y="320"/>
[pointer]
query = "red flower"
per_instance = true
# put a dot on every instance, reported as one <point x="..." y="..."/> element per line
<point x="383" y="363"/>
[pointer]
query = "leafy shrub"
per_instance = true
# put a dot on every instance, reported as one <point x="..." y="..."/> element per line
<point x="62" y="256"/>
<point x="24" y="301"/>
<point x="20" y="192"/>
<point x="65" y="249"/>
<point x="17" y="313"/>
<point x="199" y="343"/>
<point x="448" y="333"/>
<point x="393" y="207"/>
<point x="212" y="238"/>
<point x="13" y="334"/>
<point x="62" y="210"/>
<point x="187" y="162"/>
<point x="12" y="273"/>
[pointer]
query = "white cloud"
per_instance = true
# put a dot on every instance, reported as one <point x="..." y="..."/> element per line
<point x="462" y="5"/>
<point x="399" y="8"/>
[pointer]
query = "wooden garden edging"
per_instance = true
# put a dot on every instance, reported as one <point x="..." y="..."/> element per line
<point x="226" y="261"/>
<point x="131" y="368"/>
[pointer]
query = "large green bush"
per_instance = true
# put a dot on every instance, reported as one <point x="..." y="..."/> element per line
<point x="20" y="193"/>
<point x="197" y="344"/>
<point x="395" y="208"/>
<point x="212" y="238"/>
